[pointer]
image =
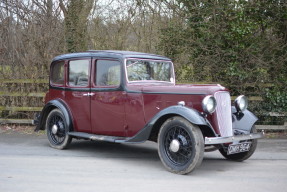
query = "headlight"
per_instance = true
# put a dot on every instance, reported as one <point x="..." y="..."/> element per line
<point x="241" y="103"/>
<point x="209" y="104"/>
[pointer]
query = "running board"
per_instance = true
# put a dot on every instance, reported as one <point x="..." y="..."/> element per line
<point x="114" y="139"/>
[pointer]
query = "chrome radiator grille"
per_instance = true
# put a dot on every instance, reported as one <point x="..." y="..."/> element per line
<point x="223" y="113"/>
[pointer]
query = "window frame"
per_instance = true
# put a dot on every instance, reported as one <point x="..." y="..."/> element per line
<point x="149" y="81"/>
<point x="53" y="84"/>
<point x="94" y="76"/>
<point x="68" y="72"/>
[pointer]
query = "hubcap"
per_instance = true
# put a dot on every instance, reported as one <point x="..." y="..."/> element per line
<point x="55" y="129"/>
<point x="174" y="145"/>
<point x="178" y="145"/>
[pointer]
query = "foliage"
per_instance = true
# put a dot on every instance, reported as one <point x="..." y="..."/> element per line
<point x="233" y="42"/>
<point x="276" y="100"/>
<point x="239" y="43"/>
<point x="76" y="14"/>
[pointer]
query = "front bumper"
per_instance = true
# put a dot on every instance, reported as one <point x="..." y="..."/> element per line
<point x="221" y="140"/>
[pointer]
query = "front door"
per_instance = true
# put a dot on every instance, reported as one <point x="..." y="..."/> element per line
<point x="77" y="94"/>
<point x="107" y="99"/>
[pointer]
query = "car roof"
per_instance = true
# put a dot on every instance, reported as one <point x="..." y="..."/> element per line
<point x="111" y="54"/>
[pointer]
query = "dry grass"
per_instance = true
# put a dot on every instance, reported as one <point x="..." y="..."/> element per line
<point x="276" y="134"/>
<point x="10" y="128"/>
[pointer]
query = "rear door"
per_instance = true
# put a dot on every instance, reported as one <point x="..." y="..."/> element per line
<point x="77" y="94"/>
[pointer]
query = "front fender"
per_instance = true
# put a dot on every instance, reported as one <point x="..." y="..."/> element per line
<point x="190" y="114"/>
<point x="53" y="104"/>
<point x="243" y="121"/>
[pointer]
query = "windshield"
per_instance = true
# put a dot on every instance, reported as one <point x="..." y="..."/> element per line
<point x="149" y="70"/>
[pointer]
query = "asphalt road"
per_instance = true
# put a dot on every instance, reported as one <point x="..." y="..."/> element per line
<point x="27" y="163"/>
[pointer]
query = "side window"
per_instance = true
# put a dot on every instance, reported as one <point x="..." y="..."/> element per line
<point x="57" y="73"/>
<point x="108" y="73"/>
<point x="79" y="73"/>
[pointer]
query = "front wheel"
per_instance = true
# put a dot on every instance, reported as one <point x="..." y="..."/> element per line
<point x="180" y="145"/>
<point x="57" y="130"/>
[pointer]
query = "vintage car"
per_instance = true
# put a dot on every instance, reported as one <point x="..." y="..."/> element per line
<point x="131" y="97"/>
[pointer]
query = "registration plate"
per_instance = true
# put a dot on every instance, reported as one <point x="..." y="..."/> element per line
<point x="238" y="148"/>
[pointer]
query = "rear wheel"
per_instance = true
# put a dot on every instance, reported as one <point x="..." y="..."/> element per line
<point x="57" y="130"/>
<point x="244" y="155"/>
<point x="180" y="145"/>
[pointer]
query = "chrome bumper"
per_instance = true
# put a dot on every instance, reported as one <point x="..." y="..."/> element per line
<point x="221" y="140"/>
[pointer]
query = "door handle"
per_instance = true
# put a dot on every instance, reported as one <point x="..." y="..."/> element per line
<point x="88" y="94"/>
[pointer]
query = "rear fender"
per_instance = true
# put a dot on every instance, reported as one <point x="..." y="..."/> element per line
<point x="54" y="104"/>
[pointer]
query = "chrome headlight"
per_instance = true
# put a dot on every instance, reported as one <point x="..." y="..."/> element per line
<point x="209" y="104"/>
<point x="241" y="103"/>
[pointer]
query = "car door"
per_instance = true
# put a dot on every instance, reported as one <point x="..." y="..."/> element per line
<point x="107" y="99"/>
<point x="77" y="94"/>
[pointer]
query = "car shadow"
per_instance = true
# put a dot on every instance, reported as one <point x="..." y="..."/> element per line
<point x="147" y="154"/>
<point x="115" y="150"/>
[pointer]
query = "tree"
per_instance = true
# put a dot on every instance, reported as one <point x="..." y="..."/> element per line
<point x="76" y="13"/>
<point x="30" y="36"/>
<point x="239" y="43"/>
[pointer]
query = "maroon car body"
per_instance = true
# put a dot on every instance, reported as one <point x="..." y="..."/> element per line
<point x="131" y="97"/>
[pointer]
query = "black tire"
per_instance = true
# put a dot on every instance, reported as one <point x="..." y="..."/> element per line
<point x="57" y="130"/>
<point x="180" y="145"/>
<point x="244" y="155"/>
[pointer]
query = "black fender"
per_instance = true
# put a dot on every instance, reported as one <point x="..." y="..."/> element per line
<point x="243" y="121"/>
<point x="190" y="114"/>
<point x="53" y="104"/>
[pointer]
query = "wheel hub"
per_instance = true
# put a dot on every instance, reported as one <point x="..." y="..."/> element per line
<point x="55" y="129"/>
<point x="174" y="146"/>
